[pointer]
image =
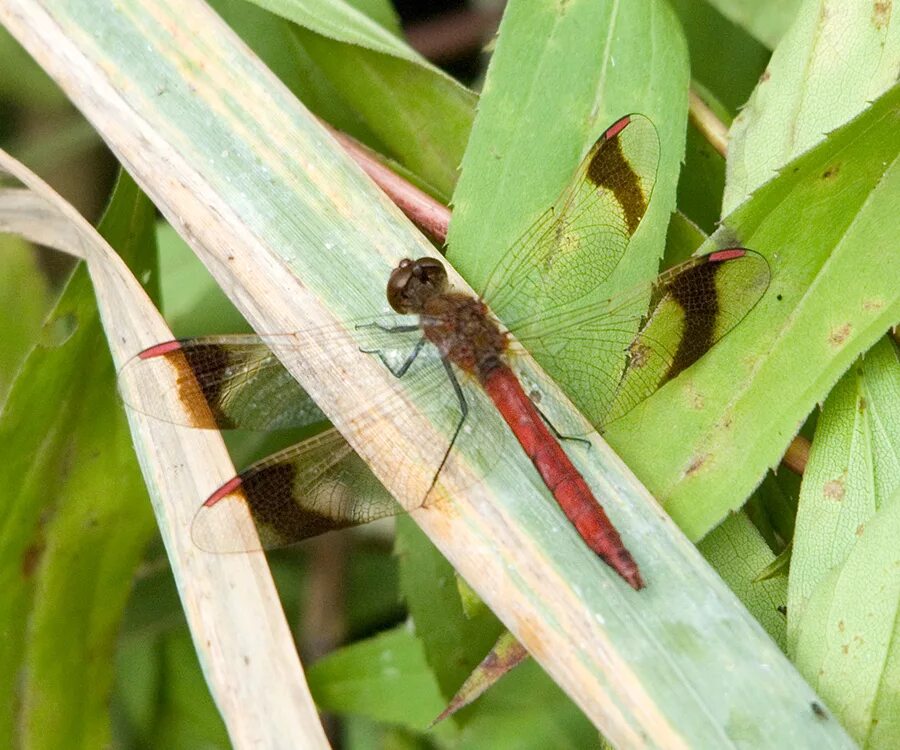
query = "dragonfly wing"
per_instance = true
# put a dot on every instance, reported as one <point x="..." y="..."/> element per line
<point x="313" y="487"/>
<point x="575" y="246"/>
<point x="615" y="358"/>
<point x="222" y="382"/>
<point x="321" y="484"/>
<point x="237" y="382"/>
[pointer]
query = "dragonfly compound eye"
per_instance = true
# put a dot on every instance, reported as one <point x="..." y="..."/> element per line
<point x="412" y="283"/>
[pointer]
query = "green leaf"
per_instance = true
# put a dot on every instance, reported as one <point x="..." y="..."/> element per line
<point x="24" y="299"/>
<point x="702" y="181"/>
<point x="506" y="654"/>
<point x="853" y="469"/>
<point x="70" y="573"/>
<point x="527" y="711"/>
<point x="385" y="678"/>
<point x="454" y="643"/>
<point x="682" y="239"/>
<point x="165" y="702"/>
<point x="827" y="227"/>
<point x="725" y="60"/>
<point x="22" y="81"/>
<point x="811" y="87"/>
<point x="848" y="643"/>
<point x="75" y="524"/>
<point x="191" y="300"/>
<point x="560" y="75"/>
<point x="765" y="20"/>
<point x="738" y="552"/>
<point x="385" y="85"/>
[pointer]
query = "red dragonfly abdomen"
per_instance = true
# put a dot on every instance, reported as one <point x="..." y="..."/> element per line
<point x="559" y="474"/>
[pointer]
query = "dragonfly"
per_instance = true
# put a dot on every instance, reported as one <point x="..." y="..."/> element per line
<point x="549" y="278"/>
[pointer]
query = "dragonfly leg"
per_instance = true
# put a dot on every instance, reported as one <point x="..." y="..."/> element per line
<point x="407" y="363"/>
<point x="463" y="413"/>
<point x="558" y="434"/>
<point x="389" y="329"/>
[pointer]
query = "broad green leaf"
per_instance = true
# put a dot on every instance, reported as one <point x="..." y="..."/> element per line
<point x="560" y="75"/>
<point x="420" y="116"/>
<point x="848" y="642"/>
<point x="773" y="507"/>
<point x="76" y="522"/>
<point x="738" y="552"/>
<point x="682" y="239"/>
<point x="191" y="300"/>
<point x="702" y="181"/>
<point x="167" y="703"/>
<point x="765" y="20"/>
<point x="853" y="469"/>
<point x="385" y="678"/>
<point x="22" y="81"/>
<point x="827" y="227"/>
<point x="24" y="299"/>
<point x="836" y="58"/>
<point x="726" y="61"/>
<point x="453" y="642"/>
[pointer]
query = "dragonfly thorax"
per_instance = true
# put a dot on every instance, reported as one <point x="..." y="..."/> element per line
<point x="464" y="332"/>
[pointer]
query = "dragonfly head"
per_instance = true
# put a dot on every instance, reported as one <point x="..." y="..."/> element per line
<point x="414" y="282"/>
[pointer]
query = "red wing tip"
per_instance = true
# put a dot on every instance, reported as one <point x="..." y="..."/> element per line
<point x="159" y="349"/>
<point x="728" y="254"/>
<point x="226" y="489"/>
<point x="617" y="127"/>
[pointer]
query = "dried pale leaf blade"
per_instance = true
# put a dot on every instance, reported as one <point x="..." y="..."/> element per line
<point x="828" y="300"/>
<point x="134" y="322"/>
<point x="853" y="470"/>
<point x="810" y="88"/>
<point x="506" y="654"/>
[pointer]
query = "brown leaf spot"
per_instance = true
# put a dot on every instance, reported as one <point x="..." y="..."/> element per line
<point x="696" y="464"/>
<point x="881" y="13"/>
<point x="695" y="399"/>
<point x="839" y="335"/>
<point x="860" y="529"/>
<point x="31" y="557"/>
<point x="841" y="626"/>
<point x="834" y="490"/>
<point x="831" y="172"/>
<point x="845" y="649"/>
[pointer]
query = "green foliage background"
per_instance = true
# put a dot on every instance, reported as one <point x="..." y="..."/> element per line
<point x="811" y="182"/>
